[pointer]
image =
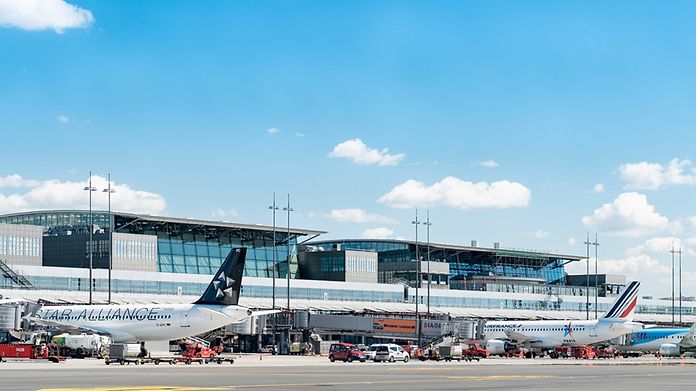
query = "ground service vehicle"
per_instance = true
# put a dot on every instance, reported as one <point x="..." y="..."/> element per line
<point x="299" y="348"/>
<point x="25" y="350"/>
<point x="267" y="349"/>
<point x="451" y="352"/>
<point x="345" y="352"/>
<point x="475" y="350"/>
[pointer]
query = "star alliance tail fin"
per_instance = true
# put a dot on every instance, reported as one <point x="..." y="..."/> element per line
<point x="225" y="288"/>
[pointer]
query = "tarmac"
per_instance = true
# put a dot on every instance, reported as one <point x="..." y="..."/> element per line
<point x="299" y="373"/>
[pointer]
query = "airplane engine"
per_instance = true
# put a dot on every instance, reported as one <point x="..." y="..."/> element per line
<point x="670" y="349"/>
<point x="497" y="347"/>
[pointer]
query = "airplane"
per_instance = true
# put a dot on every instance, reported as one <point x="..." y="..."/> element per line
<point x="132" y="323"/>
<point x="541" y="336"/>
<point x="668" y="342"/>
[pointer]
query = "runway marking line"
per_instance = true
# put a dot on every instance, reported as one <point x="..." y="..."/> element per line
<point x="137" y="388"/>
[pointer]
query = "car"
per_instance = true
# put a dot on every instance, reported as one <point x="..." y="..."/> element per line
<point x="370" y="352"/>
<point x="267" y="349"/>
<point x="391" y="353"/>
<point x="345" y="352"/>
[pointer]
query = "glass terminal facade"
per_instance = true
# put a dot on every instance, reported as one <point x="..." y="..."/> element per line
<point x="183" y="245"/>
<point x="463" y="261"/>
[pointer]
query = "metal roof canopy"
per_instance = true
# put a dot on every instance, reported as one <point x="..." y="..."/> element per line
<point x="154" y="220"/>
<point x="500" y="252"/>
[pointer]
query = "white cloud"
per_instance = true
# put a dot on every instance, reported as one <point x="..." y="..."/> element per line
<point x="378" y="233"/>
<point x="359" y="153"/>
<point x="17" y="181"/>
<point x="634" y="266"/>
<point x="57" y="15"/>
<point x="456" y="193"/>
<point x="655" y="275"/>
<point x="654" y="176"/>
<point x="598" y="188"/>
<point x="355" y="215"/>
<point x="63" y="119"/>
<point x="55" y="194"/>
<point x="572" y="241"/>
<point x="660" y="246"/>
<point x="540" y="234"/>
<point x="272" y="131"/>
<point x="628" y="215"/>
<point x="692" y="220"/>
<point x="489" y="164"/>
<point x="299" y="134"/>
<point x="221" y="213"/>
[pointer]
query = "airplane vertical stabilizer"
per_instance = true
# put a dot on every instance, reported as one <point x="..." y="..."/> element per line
<point x="225" y="288"/>
<point x="624" y="306"/>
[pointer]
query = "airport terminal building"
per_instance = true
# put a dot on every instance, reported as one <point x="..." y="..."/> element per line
<point x="45" y="255"/>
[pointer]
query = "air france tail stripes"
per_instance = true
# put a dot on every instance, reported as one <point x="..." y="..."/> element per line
<point x="625" y="304"/>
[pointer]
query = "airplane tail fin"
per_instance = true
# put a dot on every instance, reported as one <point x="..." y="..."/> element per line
<point x="624" y="306"/>
<point x="226" y="286"/>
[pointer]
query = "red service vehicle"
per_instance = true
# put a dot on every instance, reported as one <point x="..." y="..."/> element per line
<point x="345" y="352"/>
<point x="475" y="350"/>
<point x="194" y="349"/>
<point x="584" y="352"/>
<point x="28" y="351"/>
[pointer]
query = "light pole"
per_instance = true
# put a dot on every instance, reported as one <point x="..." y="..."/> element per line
<point x="596" y="293"/>
<point x="428" y="224"/>
<point x="416" y="223"/>
<point x="680" y="284"/>
<point x="288" y="209"/>
<point x="109" y="190"/>
<point x="673" y="252"/>
<point x="274" y="208"/>
<point x="587" y="291"/>
<point x="90" y="188"/>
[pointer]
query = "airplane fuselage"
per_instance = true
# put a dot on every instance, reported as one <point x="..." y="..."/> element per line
<point x="547" y="334"/>
<point x="650" y="340"/>
<point x="135" y="323"/>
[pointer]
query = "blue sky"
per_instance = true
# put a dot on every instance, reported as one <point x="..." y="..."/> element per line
<point x="177" y="101"/>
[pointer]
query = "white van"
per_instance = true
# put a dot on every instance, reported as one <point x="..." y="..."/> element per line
<point x="390" y="352"/>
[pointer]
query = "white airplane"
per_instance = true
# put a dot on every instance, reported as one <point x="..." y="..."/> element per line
<point x="668" y="341"/>
<point x="139" y="323"/>
<point x="540" y="336"/>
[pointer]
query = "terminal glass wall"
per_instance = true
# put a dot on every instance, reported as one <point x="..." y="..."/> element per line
<point x="182" y="248"/>
<point x="463" y="262"/>
<point x="192" y="253"/>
